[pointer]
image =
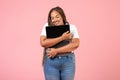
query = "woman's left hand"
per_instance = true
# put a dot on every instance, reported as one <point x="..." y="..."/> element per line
<point x="52" y="53"/>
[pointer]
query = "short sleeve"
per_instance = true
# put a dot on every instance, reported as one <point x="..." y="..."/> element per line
<point x="74" y="31"/>
<point x="43" y="32"/>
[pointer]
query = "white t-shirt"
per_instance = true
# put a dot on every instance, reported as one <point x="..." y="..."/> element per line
<point x="73" y="30"/>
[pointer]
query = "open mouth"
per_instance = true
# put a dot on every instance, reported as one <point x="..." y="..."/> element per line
<point x="56" y="23"/>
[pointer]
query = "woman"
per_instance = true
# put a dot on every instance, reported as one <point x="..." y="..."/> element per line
<point x="59" y="63"/>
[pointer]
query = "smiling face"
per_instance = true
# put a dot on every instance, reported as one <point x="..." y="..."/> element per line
<point x="56" y="18"/>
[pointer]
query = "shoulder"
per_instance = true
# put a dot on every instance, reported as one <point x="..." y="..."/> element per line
<point x="72" y="26"/>
<point x="46" y="24"/>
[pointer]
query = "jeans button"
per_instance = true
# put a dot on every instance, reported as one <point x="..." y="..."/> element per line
<point x="59" y="57"/>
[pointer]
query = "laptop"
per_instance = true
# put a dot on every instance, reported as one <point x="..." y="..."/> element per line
<point x="56" y="31"/>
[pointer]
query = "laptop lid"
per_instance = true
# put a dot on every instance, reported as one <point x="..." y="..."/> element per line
<point x="56" y="31"/>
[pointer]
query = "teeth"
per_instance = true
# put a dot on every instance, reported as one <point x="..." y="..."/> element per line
<point x="56" y="23"/>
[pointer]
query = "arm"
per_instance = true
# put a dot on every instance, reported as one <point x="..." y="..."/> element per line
<point x="45" y="42"/>
<point x="74" y="44"/>
<point x="48" y="42"/>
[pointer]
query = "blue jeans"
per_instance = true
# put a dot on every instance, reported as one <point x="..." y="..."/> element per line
<point x="60" y="67"/>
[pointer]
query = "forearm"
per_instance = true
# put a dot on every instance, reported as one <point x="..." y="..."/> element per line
<point x="69" y="47"/>
<point x="51" y="42"/>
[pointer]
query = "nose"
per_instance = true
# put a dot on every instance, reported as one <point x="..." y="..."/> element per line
<point x="54" y="20"/>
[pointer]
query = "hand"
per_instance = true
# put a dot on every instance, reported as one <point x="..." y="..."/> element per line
<point x="52" y="52"/>
<point x="67" y="35"/>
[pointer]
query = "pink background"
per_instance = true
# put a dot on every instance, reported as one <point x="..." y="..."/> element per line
<point x="98" y="23"/>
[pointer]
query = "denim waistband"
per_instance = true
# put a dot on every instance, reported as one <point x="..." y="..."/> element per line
<point x="64" y="54"/>
<point x="70" y="54"/>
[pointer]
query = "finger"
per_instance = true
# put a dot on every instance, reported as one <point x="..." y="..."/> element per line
<point x="67" y="32"/>
<point x="49" y="56"/>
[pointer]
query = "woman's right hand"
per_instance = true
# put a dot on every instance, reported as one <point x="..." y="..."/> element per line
<point x="67" y="35"/>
